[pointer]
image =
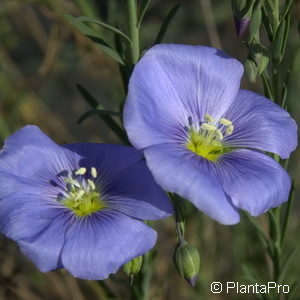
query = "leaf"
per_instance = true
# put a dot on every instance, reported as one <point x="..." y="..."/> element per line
<point x="95" y="37"/>
<point x="279" y="41"/>
<point x="267" y="86"/>
<point x="166" y="23"/>
<point x="105" y="25"/>
<point x="109" y="121"/>
<point x="267" y="24"/>
<point x="143" y="9"/>
<point x="255" y="22"/>
<point x="97" y="111"/>
<point x="287" y="9"/>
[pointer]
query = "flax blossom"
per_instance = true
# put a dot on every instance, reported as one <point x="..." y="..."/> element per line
<point x="203" y="137"/>
<point x="77" y="206"/>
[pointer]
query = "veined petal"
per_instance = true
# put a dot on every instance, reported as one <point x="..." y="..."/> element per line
<point x="44" y="249"/>
<point x="261" y="124"/>
<point x="23" y="216"/>
<point x="254" y="181"/>
<point x="174" y="83"/>
<point x="99" y="245"/>
<point x="110" y="159"/>
<point x="33" y="156"/>
<point x="134" y="192"/>
<point x="125" y="181"/>
<point x="182" y="172"/>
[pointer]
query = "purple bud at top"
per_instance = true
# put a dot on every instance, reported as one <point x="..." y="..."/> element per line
<point x="241" y="25"/>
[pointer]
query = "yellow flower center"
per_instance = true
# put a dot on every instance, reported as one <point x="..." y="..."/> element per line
<point x="207" y="140"/>
<point x="83" y="196"/>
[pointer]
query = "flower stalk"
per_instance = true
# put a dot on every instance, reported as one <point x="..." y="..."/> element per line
<point x="134" y="31"/>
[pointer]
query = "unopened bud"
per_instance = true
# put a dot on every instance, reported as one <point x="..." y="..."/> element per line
<point x="241" y="25"/>
<point x="242" y="11"/>
<point x="187" y="262"/>
<point x="133" y="267"/>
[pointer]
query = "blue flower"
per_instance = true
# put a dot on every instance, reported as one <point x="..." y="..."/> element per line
<point x="203" y="137"/>
<point x="77" y="206"/>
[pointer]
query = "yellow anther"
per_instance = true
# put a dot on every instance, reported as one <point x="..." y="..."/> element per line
<point x="94" y="172"/>
<point x="208" y="118"/>
<point x="208" y="127"/>
<point x="80" y="171"/>
<point x="91" y="184"/>
<point x="225" y="122"/>
<point x="229" y="129"/>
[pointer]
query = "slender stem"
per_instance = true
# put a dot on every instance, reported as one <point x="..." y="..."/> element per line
<point x="275" y="233"/>
<point x="134" y="31"/>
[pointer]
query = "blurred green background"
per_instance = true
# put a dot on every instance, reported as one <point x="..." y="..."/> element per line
<point x="42" y="57"/>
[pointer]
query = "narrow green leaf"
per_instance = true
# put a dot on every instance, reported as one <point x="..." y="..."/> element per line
<point x="285" y="35"/>
<point x="104" y="25"/>
<point x="110" y="122"/>
<point x="267" y="24"/>
<point x="143" y="9"/>
<point x="286" y="9"/>
<point x="87" y="96"/>
<point x="278" y="42"/>
<point x="255" y="22"/>
<point x="267" y="86"/>
<point x="98" y="111"/>
<point x="166" y="23"/>
<point x="95" y="37"/>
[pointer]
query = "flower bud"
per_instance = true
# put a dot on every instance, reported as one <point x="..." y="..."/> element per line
<point x="187" y="262"/>
<point x="242" y="11"/>
<point x="133" y="267"/>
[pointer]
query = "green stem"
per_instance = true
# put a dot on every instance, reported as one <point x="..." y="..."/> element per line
<point x="134" y="31"/>
<point x="275" y="233"/>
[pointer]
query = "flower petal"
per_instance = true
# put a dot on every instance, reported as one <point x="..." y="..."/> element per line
<point x="173" y="83"/>
<point x="24" y="216"/>
<point x="99" y="245"/>
<point x="45" y="248"/>
<point x="261" y="124"/>
<point x="109" y="159"/>
<point x="182" y="172"/>
<point x="31" y="156"/>
<point x="125" y="181"/>
<point x="254" y="181"/>
<point x="134" y="192"/>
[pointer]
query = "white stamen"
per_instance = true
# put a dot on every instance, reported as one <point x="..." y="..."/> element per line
<point x="225" y="122"/>
<point x="80" y="171"/>
<point x="208" y="118"/>
<point x="94" y="172"/>
<point x="229" y="129"/>
<point x="91" y="184"/>
<point x="208" y="127"/>
<point x="219" y="134"/>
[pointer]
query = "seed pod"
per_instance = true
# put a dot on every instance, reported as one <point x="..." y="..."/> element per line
<point x="261" y="56"/>
<point x="133" y="267"/>
<point x="250" y="69"/>
<point x="187" y="261"/>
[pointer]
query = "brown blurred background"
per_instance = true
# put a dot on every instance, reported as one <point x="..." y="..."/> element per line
<point x="42" y="57"/>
